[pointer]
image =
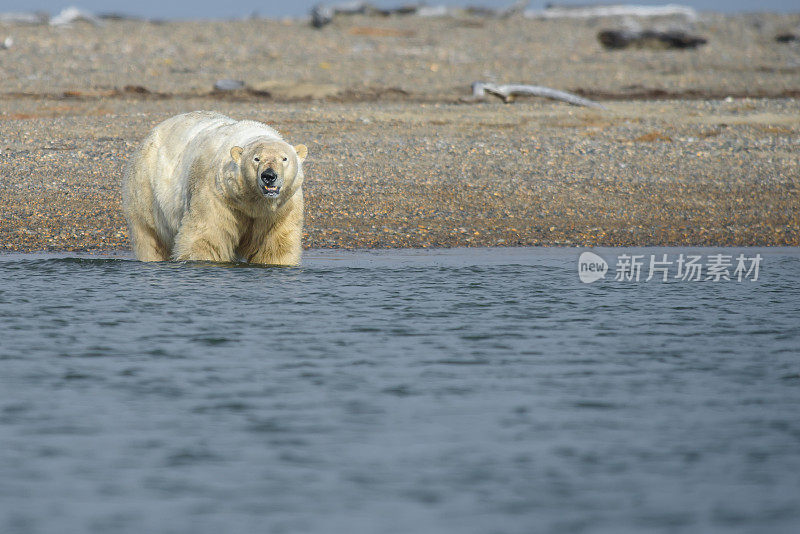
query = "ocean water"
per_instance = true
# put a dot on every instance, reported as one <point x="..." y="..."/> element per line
<point x="443" y="391"/>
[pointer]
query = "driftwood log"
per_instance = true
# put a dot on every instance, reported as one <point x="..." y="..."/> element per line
<point x="657" y="40"/>
<point x="786" y="38"/>
<point x="323" y="14"/>
<point x="517" y="8"/>
<point x="620" y="10"/>
<point x="480" y="90"/>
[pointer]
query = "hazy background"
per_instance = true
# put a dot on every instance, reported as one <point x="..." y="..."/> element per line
<point x="185" y="9"/>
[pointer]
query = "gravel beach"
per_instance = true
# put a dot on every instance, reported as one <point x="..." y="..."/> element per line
<point x="694" y="147"/>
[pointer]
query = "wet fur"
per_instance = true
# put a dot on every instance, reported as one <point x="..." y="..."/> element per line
<point x="186" y="197"/>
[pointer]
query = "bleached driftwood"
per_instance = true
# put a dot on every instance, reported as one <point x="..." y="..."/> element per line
<point x="31" y="18"/>
<point x="72" y="14"/>
<point x="517" y="8"/>
<point x="66" y="17"/>
<point x="323" y="14"/>
<point x="613" y="11"/>
<point x="507" y="93"/>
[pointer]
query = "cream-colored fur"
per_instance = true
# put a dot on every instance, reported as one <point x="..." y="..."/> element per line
<point x="192" y="191"/>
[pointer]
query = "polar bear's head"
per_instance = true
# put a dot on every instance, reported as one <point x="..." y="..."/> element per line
<point x="271" y="166"/>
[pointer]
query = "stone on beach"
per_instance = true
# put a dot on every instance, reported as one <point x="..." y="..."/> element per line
<point x="228" y="84"/>
<point x="653" y="39"/>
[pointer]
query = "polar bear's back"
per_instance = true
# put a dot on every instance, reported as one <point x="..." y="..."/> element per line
<point x="204" y="134"/>
<point x="160" y="169"/>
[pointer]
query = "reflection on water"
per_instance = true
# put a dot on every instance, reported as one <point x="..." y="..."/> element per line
<point x="465" y="391"/>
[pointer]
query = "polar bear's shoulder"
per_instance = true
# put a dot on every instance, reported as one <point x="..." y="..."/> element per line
<point x="200" y="127"/>
<point x="188" y="127"/>
<point x="252" y="129"/>
<point x="207" y="134"/>
<point x="194" y="118"/>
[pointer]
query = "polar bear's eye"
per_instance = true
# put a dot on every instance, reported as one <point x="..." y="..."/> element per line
<point x="285" y="158"/>
<point x="256" y="159"/>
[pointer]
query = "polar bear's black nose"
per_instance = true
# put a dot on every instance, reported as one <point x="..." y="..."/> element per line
<point x="269" y="176"/>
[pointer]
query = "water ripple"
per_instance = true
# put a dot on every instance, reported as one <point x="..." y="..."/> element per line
<point x="465" y="391"/>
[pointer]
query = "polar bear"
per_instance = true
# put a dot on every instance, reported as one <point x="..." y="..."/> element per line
<point x="203" y="186"/>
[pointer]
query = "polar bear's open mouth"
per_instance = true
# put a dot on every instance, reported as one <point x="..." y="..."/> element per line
<point x="270" y="191"/>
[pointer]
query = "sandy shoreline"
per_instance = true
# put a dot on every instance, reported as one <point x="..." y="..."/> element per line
<point x="395" y="160"/>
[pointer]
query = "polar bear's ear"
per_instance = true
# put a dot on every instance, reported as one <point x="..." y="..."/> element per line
<point x="302" y="151"/>
<point x="236" y="153"/>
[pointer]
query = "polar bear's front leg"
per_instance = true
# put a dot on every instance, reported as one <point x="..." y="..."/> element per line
<point x="281" y="244"/>
<point x="202" y="239"/>
<point x="147" y="246"/>
<point x="199" y="249"/>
